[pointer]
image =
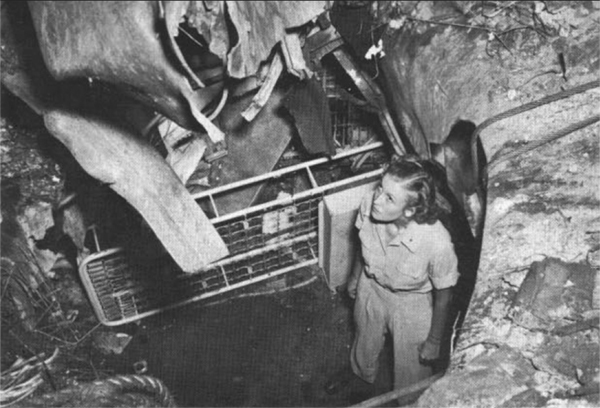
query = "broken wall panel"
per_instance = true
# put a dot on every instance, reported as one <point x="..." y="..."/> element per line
<point x="254" y="148"/>
<point x="260" y="26"/>
<point x="309" y="107"/>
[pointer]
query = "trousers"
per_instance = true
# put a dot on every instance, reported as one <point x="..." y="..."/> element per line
<point x="405" y="315"/>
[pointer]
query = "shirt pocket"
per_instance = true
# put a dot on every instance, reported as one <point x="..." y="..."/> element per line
<point x="409" y="272"/>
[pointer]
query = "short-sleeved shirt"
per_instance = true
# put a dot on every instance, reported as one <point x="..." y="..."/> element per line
<point x="421" y="257"/>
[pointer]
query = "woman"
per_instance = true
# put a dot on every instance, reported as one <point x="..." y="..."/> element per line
<point x="403" y="275"/>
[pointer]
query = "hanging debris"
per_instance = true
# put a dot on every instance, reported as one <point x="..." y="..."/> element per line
<point x="309" y="107"/>
<point x="118" y="391"/>
<point x="139" y="174"/>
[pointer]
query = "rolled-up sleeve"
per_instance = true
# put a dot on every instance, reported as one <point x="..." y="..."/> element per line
<point x="363" y="211"/>
<point x="443" y="267"/>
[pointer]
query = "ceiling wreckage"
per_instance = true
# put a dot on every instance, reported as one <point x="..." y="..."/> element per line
<point x="117" y="81"/>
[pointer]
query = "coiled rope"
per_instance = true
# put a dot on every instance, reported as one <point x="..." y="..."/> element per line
<point x="141" y="383"/>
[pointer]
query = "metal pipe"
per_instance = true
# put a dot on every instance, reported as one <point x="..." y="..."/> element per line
<point x="214" y="205"/>
<point x="157" y="118"/>
<point x="255" y="252"/>
<point x="211" y="294"/>
<point x="299" y="196"/>
<point x="290" y="169"/>
<point x="311" y="177"/>
<point x="401" y="392"/>
<point x="268" y="292"/>
<point x="221" y="104"/>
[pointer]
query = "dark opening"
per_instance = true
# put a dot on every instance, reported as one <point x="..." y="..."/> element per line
<point x="467" y="196"/>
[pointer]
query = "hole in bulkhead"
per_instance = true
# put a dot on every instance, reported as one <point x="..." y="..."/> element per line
<point x="467" y="197"/>
<point x="195" y="49"/>
<point x="279" y="350"/>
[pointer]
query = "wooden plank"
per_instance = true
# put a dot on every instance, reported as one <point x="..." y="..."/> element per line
<point x="139" y="174"/>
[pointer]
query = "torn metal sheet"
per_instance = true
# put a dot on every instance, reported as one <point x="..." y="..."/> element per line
<point x="215" y="134"/>
<point x="23" y="71"/>
<point x="171" y="133"/>
<point x="208" y="18"/>
<point x="261" y="98"/>
<point x="171" y="12"/>
<point x="254" y="148"/>
<point x="138" y="173"/>
<point x="291" y="48"/>
<point x="309" y="106"/>
<point x="322" y="42"/>
<point x="183" y="155"/>
<point x="117" y="42"/>
<point x="262" y="24"/>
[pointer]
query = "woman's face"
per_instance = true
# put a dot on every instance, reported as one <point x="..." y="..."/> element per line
<point x="390" y="200"/>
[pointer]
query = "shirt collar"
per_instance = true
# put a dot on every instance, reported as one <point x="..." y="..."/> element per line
<point x="407" y="237"/>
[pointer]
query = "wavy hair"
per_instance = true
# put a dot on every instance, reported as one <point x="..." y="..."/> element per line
<point x="416" y="173"/>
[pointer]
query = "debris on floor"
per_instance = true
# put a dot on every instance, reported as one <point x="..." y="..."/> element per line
<point x="119" y="391"/>
<point x="554" y="296"/>
<point x="23" y="377"/>
<point x="550" y="352"/>
<point x="491" y="379"/>
<point x="110" y="342"/>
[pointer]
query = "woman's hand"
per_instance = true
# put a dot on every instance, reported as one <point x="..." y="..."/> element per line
<point x="429" y="352"/>
<point x="355" y="274"/>
<point x="351" y="289"/>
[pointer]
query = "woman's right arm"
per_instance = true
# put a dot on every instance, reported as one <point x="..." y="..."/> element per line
<point x="357" y="268"/>
<point x="357" y="265"/>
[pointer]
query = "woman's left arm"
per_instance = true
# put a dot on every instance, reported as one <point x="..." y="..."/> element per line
<point x="429" y="350"/>
<point x="443" y="272"/>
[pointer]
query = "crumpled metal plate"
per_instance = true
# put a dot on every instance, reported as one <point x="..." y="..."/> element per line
<point x="119" y="42"/>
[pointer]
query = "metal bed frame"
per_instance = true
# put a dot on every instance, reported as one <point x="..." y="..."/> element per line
<point x="265" y="240"/>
